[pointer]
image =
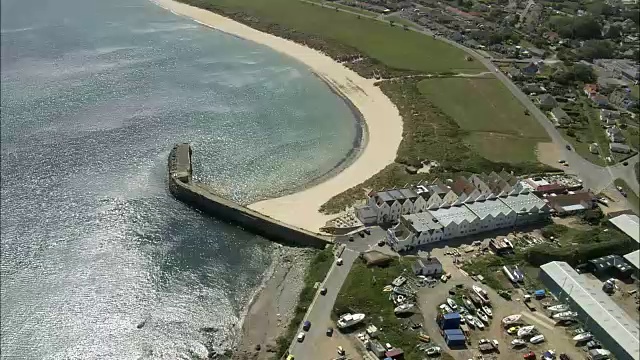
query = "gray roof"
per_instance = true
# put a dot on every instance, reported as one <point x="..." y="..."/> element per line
<point x="491" y="207"/>
<point x="397" y="194"/>
<point x="424" y="262"/>
<point x="633" y="258"/>
<point x="524" y="202"/>
<point x="597" y="304"/>
<point x="421" y="222"/>
<point x="559" y="113"/>
<point x="629" y="224"/>
<point x="455" y="214"/>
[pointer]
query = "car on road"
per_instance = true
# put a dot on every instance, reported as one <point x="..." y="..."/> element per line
<point x="329" y="331"/>
<point x="323" y="291"/>
<point x="625" y="163"/>
<point x="361" y="233"/>
<point x="565" y="164"/>
<point x="341" y="351"/>
<point x="301" y="337"/>
<point x="381" y="242"/>
<point x="350" y="237"/>
<point x="290" y="357"/>
<point x="306" y="326"/>
<point x="339" y="261"/>
<point x="367" y="231"/>
<point x="561" y="161"/>
<point x="568" y="147"/>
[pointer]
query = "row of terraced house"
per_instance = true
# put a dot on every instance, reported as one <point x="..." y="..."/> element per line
<point x="445" y="210"/>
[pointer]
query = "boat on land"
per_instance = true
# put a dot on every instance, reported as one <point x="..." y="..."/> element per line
<point x="348" y="320"/>
<point x="567" y="315"/>
<point x="558" y="308"/>
<point x="404" y="308"/>
<point x="487" y="311"/>
<point x="482" y="316"/>
<point x="585" y="336"/>
<point x="511" y="319"/>
<point x="452" y="303"/>
<point x="518" y="342"/>
<point x="525" y="331"/>
<point x="479" y="324"/>
<point x="482" y="293"/>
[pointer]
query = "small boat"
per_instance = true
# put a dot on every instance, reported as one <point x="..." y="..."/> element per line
<point x="585" y="336"/>
<point x="452" y="303"/>
<point x="558" y="308"/>
<point x="525" y="331"/>
<point x="400" y="291"/>
<point x="518" y="342"/>
<point x="567" y="315"/>
<point x="348" y="320"/>
<point x="487" y="311"/>
<point x="400" y="299"/>
<point x="511" y="319"/>
<point x="482" y="293"/>
<point x="434" y="351"/>
<point x="479" y="324"/>
<point x="537" y="339"/>
<point x="482" y="316"/>
<point x="470" y="321"/>
<point x="404" y="308"/>
<point x="446" y="308"/>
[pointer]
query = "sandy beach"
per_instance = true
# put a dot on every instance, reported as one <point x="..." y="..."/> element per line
<point x="381" y="118"/>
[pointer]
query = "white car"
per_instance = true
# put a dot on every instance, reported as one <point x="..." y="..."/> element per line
<point x="301" y="337"/>
<point x="339" y="261"/>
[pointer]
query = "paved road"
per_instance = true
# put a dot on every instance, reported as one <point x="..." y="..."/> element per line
<point x="320" y="310"/>
<point x="595" y="177"/>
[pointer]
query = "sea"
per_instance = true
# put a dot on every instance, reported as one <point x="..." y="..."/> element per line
<point x="98" y="261"/>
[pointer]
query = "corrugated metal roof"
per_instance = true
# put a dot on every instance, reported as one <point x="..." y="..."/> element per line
<point x="633" y="258"/>
<point x="455" y="214"/>
<point x="629" y="224"/>
<point x="491" y="207"/>
<point x="524" y="202"/>
<point x="422" y="222"/>
<point x="597" y="304"/>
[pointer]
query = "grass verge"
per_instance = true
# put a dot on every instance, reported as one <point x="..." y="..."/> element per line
<point x="316" y="272"/>
<point x="632" y="197"/>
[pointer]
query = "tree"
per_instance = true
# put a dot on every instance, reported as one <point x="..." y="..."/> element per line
<point x="571" y="133"/>
<point x="582" y="27"/>
<point x="596" y="49"/>
<point x="614" y="32"/>
<point x="583" y="73"/>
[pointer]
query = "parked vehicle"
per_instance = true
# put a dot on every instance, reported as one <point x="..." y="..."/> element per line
<point x="329" y="332"/>
<point x="301" y="337"/>
<point x="339" y="261"/>
<point x="323" y="291"/>
<point x="436" y="350"/>
<point x="518" y="342"/>
<point x="306" y="326"/>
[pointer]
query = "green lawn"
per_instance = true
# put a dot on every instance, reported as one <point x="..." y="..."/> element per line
<point x="482" y="105"/>
<point x="390" y="45"/>
<point x="499" y="129"/>
<point x="580" y="144"/>
<point x="632" y="197"/>
<point x="362" y="293"/>
<point x="635" y="91"/>
<point x="351" y="8"/>
<point x="400" y="21"/>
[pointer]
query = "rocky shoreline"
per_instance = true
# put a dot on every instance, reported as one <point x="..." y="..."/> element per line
<point x="273" y="307"/>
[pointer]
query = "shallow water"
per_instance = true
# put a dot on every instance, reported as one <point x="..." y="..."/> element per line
<point x="93" y="96"/>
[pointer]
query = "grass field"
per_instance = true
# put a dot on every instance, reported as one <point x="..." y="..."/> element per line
<point x="390" y="45"/>
<point x="582" y="146"/>
<point x="351" y="8"/>
<point x="499" y="129"/>
<point x="400" y="21"/>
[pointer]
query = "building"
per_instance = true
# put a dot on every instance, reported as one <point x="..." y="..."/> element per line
<point x="466" y="219"/>
<point x="600" y="100"/>
<point x="594" y="148"/>
<point x="621" y="67"/>
<point x="615" y="134"/>
<point x="590" y="89"/>
<point x="609" y="117"/>
<point x="530" y="70"/>
<point x="611" y="265"/>
<point x="628" y="224"/>
<point x="367" y="215"/>
<point x="571" y="202"/>
<point x="601" y="316"/>
<point x="619" y="148"/>
<point x="427" y="267"/>
<point x="560" y="116"/>
<point x="633" y="259"/>
<point x="622" y="98"/>
<point x="546" y="102"/>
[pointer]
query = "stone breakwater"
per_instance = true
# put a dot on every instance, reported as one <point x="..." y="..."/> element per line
<point x="183" y="188"/>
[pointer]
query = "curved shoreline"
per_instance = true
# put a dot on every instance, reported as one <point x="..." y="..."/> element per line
<point x="381" y="120"/>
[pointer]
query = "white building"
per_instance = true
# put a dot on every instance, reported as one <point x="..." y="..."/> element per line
<point x="609" y="117"/>
<point x="466" y="219"/>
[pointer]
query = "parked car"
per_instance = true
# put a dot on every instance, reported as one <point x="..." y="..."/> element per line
<point x="367" y="231"/>
<point x="323" y="291"/>
<point x="329" y="331"/>
<point x="301" y="337"/>
<point x="381" y="242"/>
<point x="361" y="233"/>
<point x="306" y="326"/>
<point x="625" y="163"/>
<point x="568" y="147"/>
<point x="339" y="261"/>
<point x="350" y="237"/>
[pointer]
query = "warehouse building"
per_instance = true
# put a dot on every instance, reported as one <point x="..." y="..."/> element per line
<point x="628" y="224"/>
<point x="616" y="331"/>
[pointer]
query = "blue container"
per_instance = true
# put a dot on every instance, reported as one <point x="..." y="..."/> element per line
<point x="449" y="321"/>
<point x="454" y="338"/>
<point x="539" y="294"/>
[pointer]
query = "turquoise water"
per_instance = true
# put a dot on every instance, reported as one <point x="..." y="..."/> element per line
<point x="93" y="96"/>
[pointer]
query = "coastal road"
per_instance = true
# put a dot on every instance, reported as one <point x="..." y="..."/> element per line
<point x="320" y="311"/>
<point x="595" y="177"/>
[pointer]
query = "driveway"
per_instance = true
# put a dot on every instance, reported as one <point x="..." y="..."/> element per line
<point x="316" y="343"/>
